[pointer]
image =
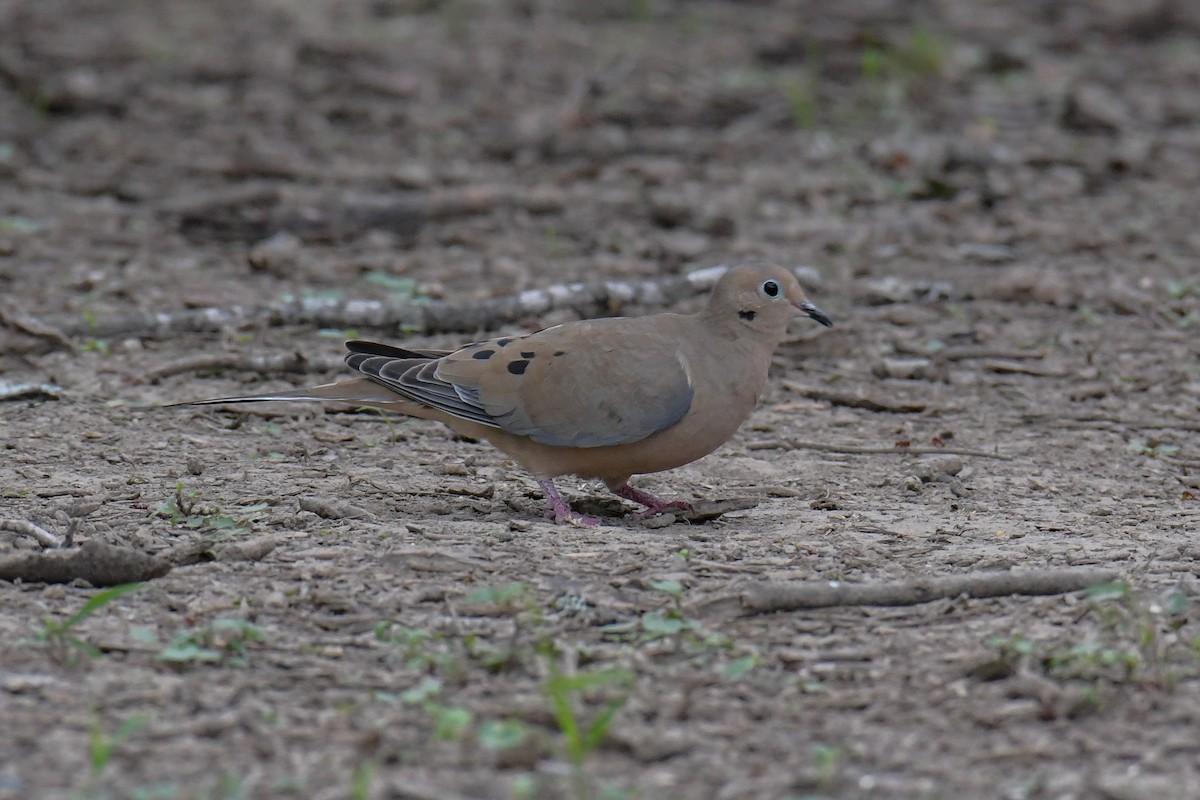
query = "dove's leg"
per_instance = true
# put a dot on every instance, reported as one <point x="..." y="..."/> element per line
<point x="654" y="505"/>
<point x="562" y="512"/>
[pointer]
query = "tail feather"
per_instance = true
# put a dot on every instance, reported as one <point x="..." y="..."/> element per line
<point x="357" y="392"/>
<point x="365" y="347"/>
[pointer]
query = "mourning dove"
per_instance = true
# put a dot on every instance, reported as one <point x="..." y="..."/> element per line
<point x="603" y="398"/>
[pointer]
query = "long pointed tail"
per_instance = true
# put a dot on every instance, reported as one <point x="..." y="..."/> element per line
<point x="357" y="392"/>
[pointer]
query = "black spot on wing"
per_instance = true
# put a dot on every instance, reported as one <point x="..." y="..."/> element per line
<point x="560" y="352"/>
<point x="517" y="367"/>
<point x="483" y="355"/>
<point x="527" y="354"/>
<point x="503" y="342"/>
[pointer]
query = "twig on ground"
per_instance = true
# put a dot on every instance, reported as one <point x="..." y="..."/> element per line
<point x="966" y="353"/>
<point x="1108" y="420"/>
<point x="10" y="317"/>
<point x="95" y="562"/>
<point x="44" y="537"/>
<point x="854" y="450"/>
<point x="205" y="551"/>
<point x="763" y="598"/>
<point x="253" y="211"/>
<point x="266" y="363"/>
<point x="855" y="400"/>
<point x="410" y="315"/>
<point x="1006" y="367"/>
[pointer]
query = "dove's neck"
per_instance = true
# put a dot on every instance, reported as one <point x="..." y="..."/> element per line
<point x="724" y="325"/>
<point x="737" y="347"/>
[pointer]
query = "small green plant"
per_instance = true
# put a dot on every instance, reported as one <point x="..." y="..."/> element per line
<point x="450" y="722"/>
<point x="360" y="783"/>
<point x="405" y="287"/>
<point x="1178" y="289"/>
<point x="1152" y="448"/>
<point x="58" y="636"/>
<point x="102" y="746"/>
<point x="565" y="693"/>
<point x="672" y="588"/>
<point x="738" y="668"/>
<point x="801" y="91"/>
<point x="223" y="640"/>
<point x="825" y="762"/>
<point x="1136" y="641"/>
<point x="502" y="734"/>
<point x="667" y="624"/>
<point x="896" y="69"/>
<point x="183" y="509"/>
<point x="338" y="333"/>
<point x="556" y="247"/>
<point x="18" y="225"/>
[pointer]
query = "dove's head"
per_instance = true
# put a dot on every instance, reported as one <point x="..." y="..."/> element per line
<point x="762" y="297"/>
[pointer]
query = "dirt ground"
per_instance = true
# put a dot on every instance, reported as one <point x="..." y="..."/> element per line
<point x="997" y="203"/>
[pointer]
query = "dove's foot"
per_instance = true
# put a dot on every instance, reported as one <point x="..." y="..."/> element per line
<point x="654" y="505"/>
<point x="560" y="512"/>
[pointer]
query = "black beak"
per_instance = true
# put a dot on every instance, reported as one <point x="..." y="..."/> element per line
<point x="816" y="313"/>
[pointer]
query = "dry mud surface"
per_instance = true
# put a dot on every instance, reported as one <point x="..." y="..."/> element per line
<point x="996" y="202"/>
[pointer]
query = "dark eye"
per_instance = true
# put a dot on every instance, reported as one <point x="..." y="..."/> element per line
<point x="770" y="288"/>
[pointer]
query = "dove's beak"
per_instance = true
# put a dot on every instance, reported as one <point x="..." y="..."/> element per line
<point x="814" y="312"/>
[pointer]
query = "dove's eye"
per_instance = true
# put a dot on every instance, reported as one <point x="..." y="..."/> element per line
<point x="769" y="288"/>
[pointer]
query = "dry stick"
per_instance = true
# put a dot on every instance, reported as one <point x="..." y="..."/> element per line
<point x="968" y="352"/>
<point x="261" y="363"/>
<point x="762" y="598"/>
<point x="97" y="563"/>
<point x="853" y="450"/>
<point x="253" y="211"/>
<point x="10" y="317"/>
<point x="851" y="400"/>
<point x="407" y="314"/>
<point x="916" y="451"/>
<point x="45" y="538"/>
<point x="1092" y="420"/>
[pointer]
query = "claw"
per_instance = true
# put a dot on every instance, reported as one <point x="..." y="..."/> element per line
<point x="654" y="505"/>
<point x="560" y="512"/>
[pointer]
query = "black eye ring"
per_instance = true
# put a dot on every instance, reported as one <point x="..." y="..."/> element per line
<point x="770" y="288"/>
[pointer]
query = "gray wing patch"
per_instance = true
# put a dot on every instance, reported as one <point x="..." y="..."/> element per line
<point x="619" y="429"/>
<point x="572" y="409"/>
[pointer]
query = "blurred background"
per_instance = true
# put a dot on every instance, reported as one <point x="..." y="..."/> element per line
<point x="995" y="200"/>
<point x="164" y="154"/>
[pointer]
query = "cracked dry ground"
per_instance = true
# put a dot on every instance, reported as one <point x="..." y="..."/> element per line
<point x="996" y="202"/>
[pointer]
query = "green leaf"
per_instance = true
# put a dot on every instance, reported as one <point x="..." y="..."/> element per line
<point x="99" y="600"/>
<point x="393" y="283"/>
<point x="656" y="624"/>
<point x="188" y="652"/>
<point x="452" y="721"/>
<point x="673" y="588"/>
<point x="1108" y="591"/>
<point x="502" y="734"/>
<point x="1176" y="603"/>
<point x="497" y="595"/>
<point x="426" y="690"/>
<point x="739" y="667"/>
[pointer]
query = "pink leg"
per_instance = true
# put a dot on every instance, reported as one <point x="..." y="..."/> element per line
<point x="562" y="512"/>
<point x="654" y="505"/>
